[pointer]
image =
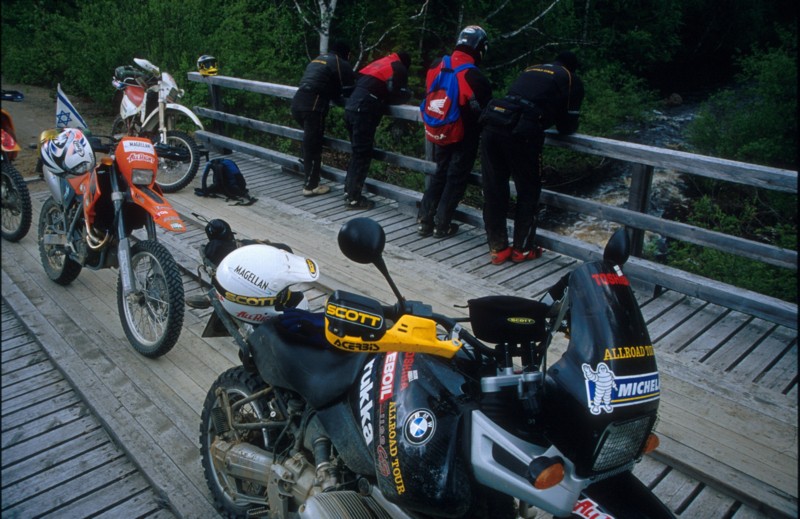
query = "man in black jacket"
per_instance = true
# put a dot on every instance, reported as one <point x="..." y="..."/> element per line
<point x="325" y="80"/>
<point x="511" y="147"/>
<point x="380" y="83"/>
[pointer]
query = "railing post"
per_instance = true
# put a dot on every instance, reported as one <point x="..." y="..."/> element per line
<point x="215" y="93"/>
<point x="639" y="200"/>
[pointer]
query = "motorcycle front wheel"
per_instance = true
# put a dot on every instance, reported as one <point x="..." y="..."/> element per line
<point x="16" y="200"/>
<point x="174" y="175"/>
<point x="232" y="497"/>
<point x="152" y="314"/>
<point x="55" y="258"/>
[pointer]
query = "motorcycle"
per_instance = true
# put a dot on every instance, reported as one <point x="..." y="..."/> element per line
<point x="372" y="410"/>
<point x="148" y="107"/>
<point x="89" y="220"/>
<point x="16" y="198"/>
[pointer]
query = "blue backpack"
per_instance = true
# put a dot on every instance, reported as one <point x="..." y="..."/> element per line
<point x="226" y="181"/>
<point x="440" y="111"/>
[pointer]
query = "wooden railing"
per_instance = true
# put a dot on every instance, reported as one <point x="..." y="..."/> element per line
<point x="644" y="159"/>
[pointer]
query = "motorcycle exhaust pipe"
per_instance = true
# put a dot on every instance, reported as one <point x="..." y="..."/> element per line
<point x="93" y="240"/>
<point x="242" y="461"/>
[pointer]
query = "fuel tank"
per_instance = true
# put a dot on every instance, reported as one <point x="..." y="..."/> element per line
<point x="412" y="414"/>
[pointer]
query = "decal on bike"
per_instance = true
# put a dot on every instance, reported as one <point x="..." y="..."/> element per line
<point x="605" y="390"/>
<point x="588" y="509"/>
<point x="408" y="374"/>
<point x="141" y="157"/>
<point x="355" y="346"/>
<point x="365" y="402"/>
<point x="131" y="146"/>
<point x="383" y="462"/>
<point x="343" y="313"/>
<point x="603" y="279"/>
<point x="387" y="379"/>
<point x="629" y="352"/>
<point x="397" y="473"/>
<point x="419" y="427"/>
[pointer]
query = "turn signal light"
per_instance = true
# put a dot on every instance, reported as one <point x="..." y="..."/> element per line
<point x="106" y="161"/>
<point x="651" y="444"/>
<point x="545" y="472"/>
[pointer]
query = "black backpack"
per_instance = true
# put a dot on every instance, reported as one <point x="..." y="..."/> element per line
<point x="226" y="181"/>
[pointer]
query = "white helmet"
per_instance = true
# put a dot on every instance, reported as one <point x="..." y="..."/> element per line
<point x="253" y="282"/>
<point x="69" y="153"/>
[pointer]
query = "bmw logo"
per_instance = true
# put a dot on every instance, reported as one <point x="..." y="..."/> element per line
<point x="419" y="427"/>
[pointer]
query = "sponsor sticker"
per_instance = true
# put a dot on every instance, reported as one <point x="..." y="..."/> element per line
<point x="606" y="391"/>
<point x="588" y="509"/>
<point x="133" y="146"/>
<point x="419" y="427"/>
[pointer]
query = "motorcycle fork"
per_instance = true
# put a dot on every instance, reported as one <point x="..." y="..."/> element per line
<point x="124" y="247"/>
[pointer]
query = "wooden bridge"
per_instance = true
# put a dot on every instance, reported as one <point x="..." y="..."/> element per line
<point x="728" y="415"/>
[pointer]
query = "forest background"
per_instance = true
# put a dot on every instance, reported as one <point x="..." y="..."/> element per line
<point x="738" y="56"/>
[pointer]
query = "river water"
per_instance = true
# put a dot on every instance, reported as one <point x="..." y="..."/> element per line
<point x="666" y="130"/>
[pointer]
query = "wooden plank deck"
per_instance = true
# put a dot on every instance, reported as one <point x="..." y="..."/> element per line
<point x="729" y="407"/>
<point x="57" y="460"/>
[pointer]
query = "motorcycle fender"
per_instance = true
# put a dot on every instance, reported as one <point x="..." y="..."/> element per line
<point x="130" y="107"/>
<point x="151" y="123"/>
<point x="618" y="497"/>
<point x="162" y="212"/>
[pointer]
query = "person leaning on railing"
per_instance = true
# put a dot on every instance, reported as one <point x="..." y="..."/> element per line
<point x="511" y="148"/>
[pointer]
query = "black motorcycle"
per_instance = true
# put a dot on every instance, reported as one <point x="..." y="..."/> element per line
<point x="369" y="410"/>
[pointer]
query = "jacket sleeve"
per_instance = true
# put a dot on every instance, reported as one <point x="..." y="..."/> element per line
<point x="567" y="120"/>
<point x="398" y="85"/>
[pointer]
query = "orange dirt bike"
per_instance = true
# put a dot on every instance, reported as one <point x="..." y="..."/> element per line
<point x="89" y="222"/>
<point x="147" y="101"/>
<point x="16" y="199"/>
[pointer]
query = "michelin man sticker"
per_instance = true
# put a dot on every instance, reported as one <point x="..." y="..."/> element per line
<point x="605" y="390"/>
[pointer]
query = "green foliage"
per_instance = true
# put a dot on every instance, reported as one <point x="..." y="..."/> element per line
<point x="756" y="121"/>
<point x="745" y="273"/>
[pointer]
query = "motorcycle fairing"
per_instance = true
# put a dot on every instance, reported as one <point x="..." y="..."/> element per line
<point x="132" y="101"/>
<point x="9" y="137"/>
<point x="320" y="375"/>
<point x="417" y="411"/>
<point x="139" y="153"/>
<point x="605" y="388"/>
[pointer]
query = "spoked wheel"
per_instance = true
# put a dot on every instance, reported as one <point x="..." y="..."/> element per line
<point x="16" y="200"/>
<point x="174" y="175"/>
<point x="119" y="129"/>
<point x="52" y="245"/>
<point x="232" y="497"/>
<point x="152" y="314"/>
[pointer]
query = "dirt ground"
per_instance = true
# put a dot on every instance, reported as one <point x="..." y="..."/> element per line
<point x="37" y="112"/>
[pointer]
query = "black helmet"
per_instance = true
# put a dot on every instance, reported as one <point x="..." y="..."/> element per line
<point x="207" y="65"/>
<point x="474" y="37"/>
<point x="218" y="229"/>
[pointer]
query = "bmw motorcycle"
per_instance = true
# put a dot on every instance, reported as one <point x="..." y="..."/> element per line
<point x="16" y="199"/>
<point x="372" y="410"/>
<point x="89" y="220"/>
<point x="148" y="107"/>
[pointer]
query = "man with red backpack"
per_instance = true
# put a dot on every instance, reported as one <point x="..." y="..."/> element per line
<point x="457" y="91"/>
<point x="381" y="83"/>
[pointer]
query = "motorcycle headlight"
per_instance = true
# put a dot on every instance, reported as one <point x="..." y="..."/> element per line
<point x="142" y="177"/>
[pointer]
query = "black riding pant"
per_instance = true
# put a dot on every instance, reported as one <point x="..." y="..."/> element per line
<point x="445" y="188"/>
<point x="505" y="157"/>
<point x="361" y="125"/>
<point x="313" y="124"/>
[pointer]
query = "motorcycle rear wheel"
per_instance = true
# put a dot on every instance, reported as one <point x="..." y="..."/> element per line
<point x="174" y="175"/>
<point x="55" y="258"/>
<point x="152" y="315"/>
<point x="16" y="200"/>
<point x="238" y="384"/>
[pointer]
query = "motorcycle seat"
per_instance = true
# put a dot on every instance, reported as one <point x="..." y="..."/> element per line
<point x="321" y="375"/>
